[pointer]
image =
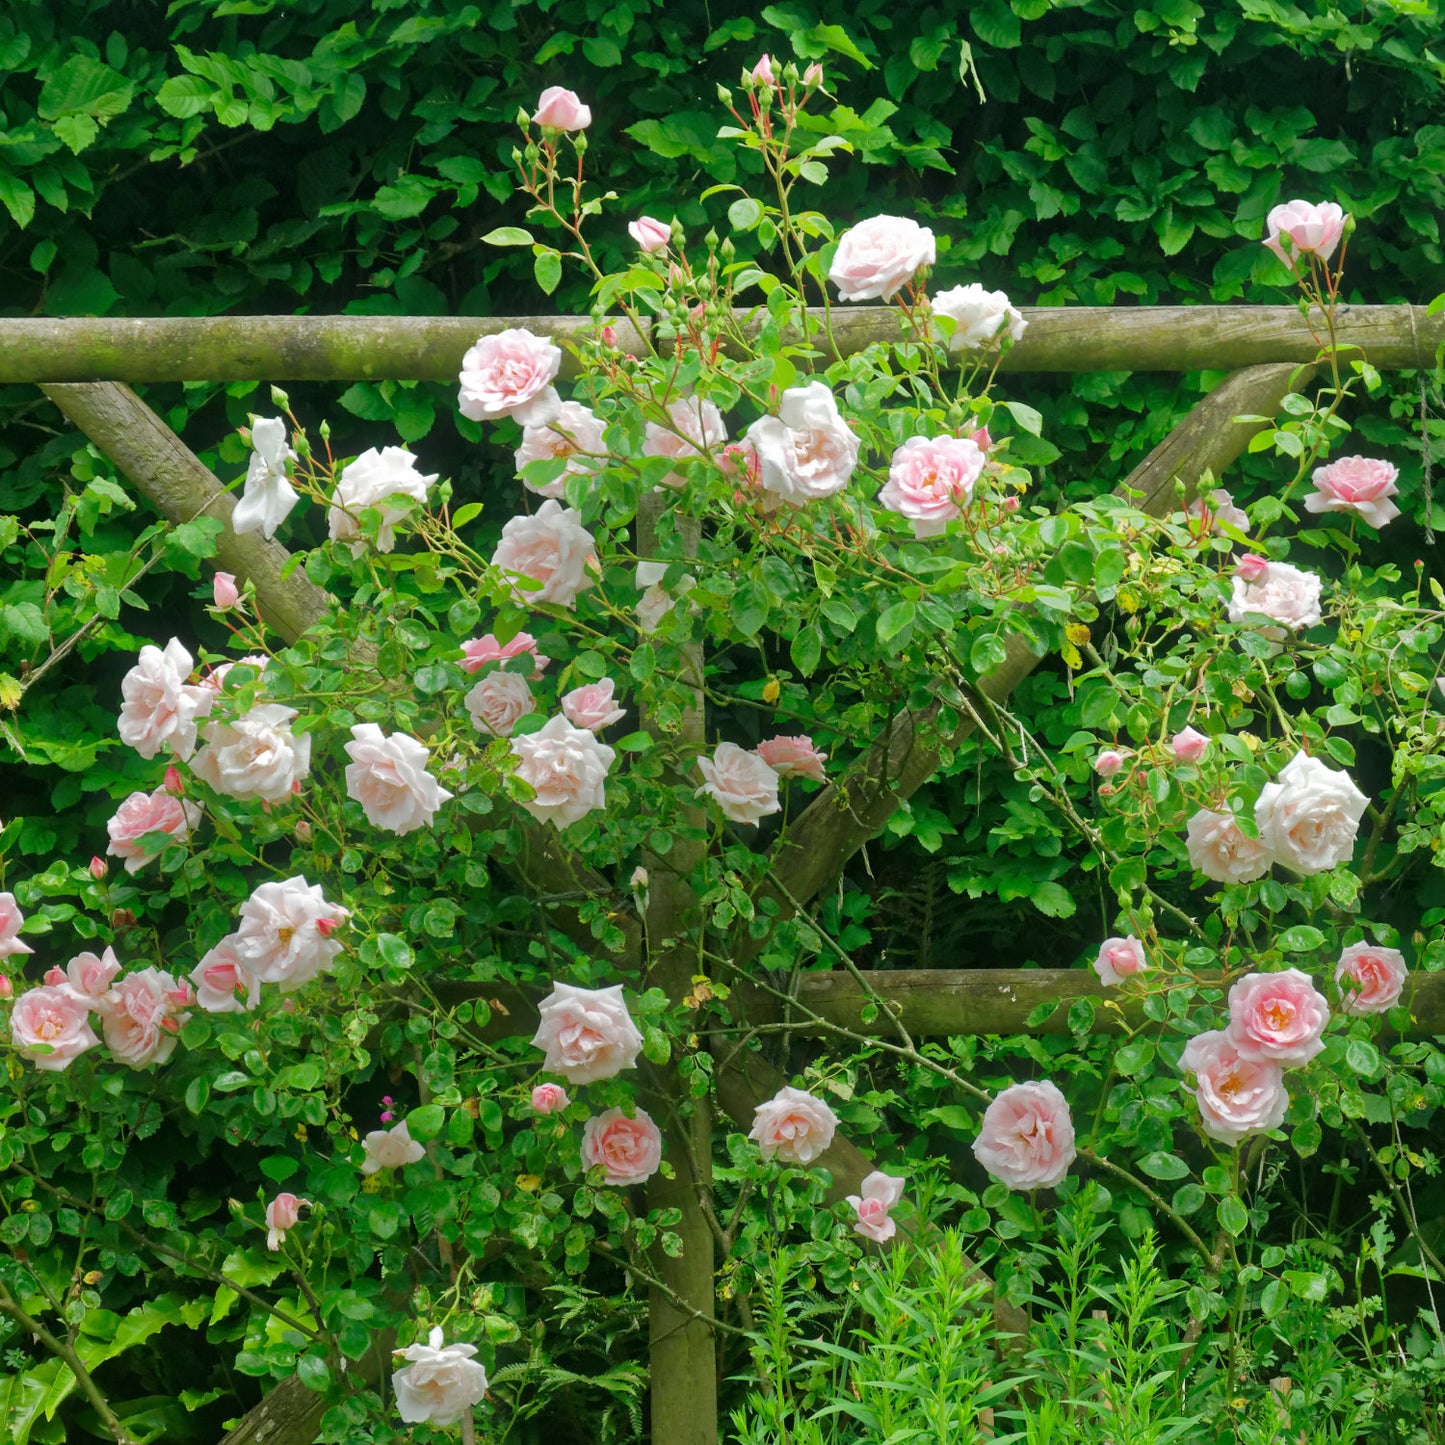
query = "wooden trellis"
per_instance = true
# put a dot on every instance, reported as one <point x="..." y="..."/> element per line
<point x="82" y="366"/>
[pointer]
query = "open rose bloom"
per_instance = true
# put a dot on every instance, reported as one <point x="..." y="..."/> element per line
<point x="629" y="1149"/>
<point x="51" y="1027"/>
<point x="155" y="815"/>
<point x="161" y="708"/>
<point x="388" y="777"/>
<point x="567" y="768"/>
<point x="439" y="1384"/>
<point x="376" y="479"/>
<point x="1309" y="817"/>
<point x="390" y="1149"/>
<point x="876" y="1196"/>
<point x="878" y="257"/>
<point x="931" y="481"/>
<point x="572" y="437"/>
<point x="141" y="1016"/>
<point x="587" y="1033"/>
<point x="741" y="783"/>
<point x="511" y="374"/>
<point x="1120" y="959"/>
<point x="1361" y="485"/>
<point x="11" y="920"/>
<point x="1026" y="1140"/>
<point x="1237" y="1095"/>
<point x="551" y="548"/>
<point x="1370" y="978"/>
<point x="1304" y="228"/>
<point x="808" y="451"/>
<point x="794" y="1126"/>
<point x="1278" y="1017"/>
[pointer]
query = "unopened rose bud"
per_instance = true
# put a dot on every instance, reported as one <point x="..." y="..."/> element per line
<point x="1108" y="763"/>
<point x="761" y="73"/>
<point x="98" y="868"/>
<point x="327" y="926"/>
<point x="303" y="831"/>
<point x="173" y="782"/>
<point x="54" y="977"/>
<point x="279" y="398"/>
<point x="548" y="1098"/>
<point x="813" y="76"/>
<point x="981" y="438"/>
<point x="1188" y="745"/>
<point x="224" y="591"/>
<point x="639" y="879"/>
<point x="7" y="989"/>
<point x="1010" y="504"/>
<point x="122" y="918"/>
<point x="609" y="335"/>
<point x="1252" y="567"/>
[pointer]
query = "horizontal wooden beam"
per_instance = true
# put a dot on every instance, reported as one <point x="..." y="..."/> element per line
<point x="429" y="348"/>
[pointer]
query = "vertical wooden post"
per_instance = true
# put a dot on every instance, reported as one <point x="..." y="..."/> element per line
<point x="682" y="1349"/>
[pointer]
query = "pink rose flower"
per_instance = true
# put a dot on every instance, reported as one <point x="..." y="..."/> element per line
<point x="498" y="702"/>
<point x="1237" y="1096"/>
<point x="931" y="481"/>
<point x="87" y="977"/>
<point x="1283" y="594"/>
<point x="224" y="592"/>
<point x="1252" y="566"/>
<point x="285" y="932"/>
<point x="141" y="1017"/>
<point x="99" y="868"/>
<point x="388" y="777"/>
<point x="11" y="919"/>
<point x="877" y="1195"/>
<point x="629" y="1150"/>
<point x="222" y="985"/>
<point x="1308" y="819"/>
<point x="793" y="757"/>
<point x="553" y="548"/>
<point x="980" y="318"/>
<point x="573" y="437"/>
<point x="1362" y="485"/>
<point x="161" y="709"/>
<point x="562" y="110"/>
<point x="656" y="601"/>
<point x="793" y="1126"/>
<point x="806" y="452"/>
<point x="441" y="1384"/>
<point x="1109" y="762"/>
<point x="567" y="768"/>
<point x="510" y="374"/>
<point x="1219" y="850"/>
<point x="694" y="425"/>
<point x="1217" y="511"/>
<point x="256" y="756"/>
<point x="592" y="706"/>
<point x="1188" y="746"/>
<point x="144" y="815"/>
<point x="879" y="256"/>
<point x="1026" y="1140"/>
<point x="1371" y="979"/>
<point x="480" y="651"/>
<point x="742" y="783"/>
<point x="1278" y="1017"/>
<point x="373" y="480"/>
<point x="390" y="1149"/>
<point x="283" y="1213"/>
<point x="587" y="1033"/>
<point x="1119" y="959"/>
<point x="549" y="1098"/>
<point x="51" y="1027"/>
<point x="649" y="234"/>
<point x="1312" y="230"/>
<point x="267" y="497"/>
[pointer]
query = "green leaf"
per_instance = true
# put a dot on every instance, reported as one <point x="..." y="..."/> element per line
<point x="1134" y="1057"/>
<point x="548" y="270"/>
<point x="426" y="1122"/>
<point x="895" y="620"/>
<point x="1233" y="1217"/>
<point x="1302" y="938"/>
<point x="1163" y="1166"/>
<point x="17" y="198"/>
<point x="806" y="650"/>
<point x="507" y="236"/>
<point x="1029" y="419"/>
<point x="184" y="96"/>
<point x="1306" y="1137"/>
<point x="1362" y="1057"/>
<point x="744" y="214"/>
<point x="1053" y="900"/>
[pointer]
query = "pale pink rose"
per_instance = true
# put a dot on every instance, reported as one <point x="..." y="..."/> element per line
<point x="1216" y="511"/>
<point x="283" y="1213"/>
<point x="1252" y="566"/>
<point x="1279" y="1017"/>
<point x="267" y="498"/>
<point x="1119" y="959"/>
<point x="793" y="757"/>
<point x="573" y="437"/>
<point x="388" y="777"/>
<point x="1371" y="979"/>
<point x="740" y="782"/>
<point x="1108" y="763"/>
<point x="161" y="709"/>
<point x="931" y="481"/>
<point x="11" y="919"/>
<point x="215" y="679"/>
<point x="981" y="439"/>
<point x="510" y="374"/>
<point x="879" y="256"/>
<point x="1309" y="817"/>
<point x="255" y="756"/>
<point x="793" y="1126"/>
<point x="980" y="318"/>
<point x="1283" y="594"/>
<point x="498" y="702"/>
<point x="592" y="706"/>
<point x="390" y="1149"/>
<point x="656" y="601"/>
<point x="480" y="651"/>
<point x="629" y="1150"/>
<point x="441" y="1384"/>
<point x="87" y="977"/>
<point x="1219" y="850"/>
<point x="1026" y="1139"/>
<point x="806" y="452"/>
<point x="1362" y="485"/>
<point x="141" y="1016"/>
<point x="549" y="1098"/>
<point x="877" y="1194"/>
<point x="562" y="110"/>
<point x="1237" y="1096"/>
<point x="1188" y="745"/>
<point x="762" y="72"/>
<point x="222" y="985"/>
<point x="1313" y="229"/>
<point x="567" y="767"/>
<point x="694" y="425"/>
<point x="224" y="592"/>
<point x="147" y="814"/>
<point x="587" y="1033"/>
<point x="650" y="235"/>
<point x="51" y="1027"/>
<point x="285" y="932"/>
<point x="553" y="548"/>
<point x="373" y="480"/>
